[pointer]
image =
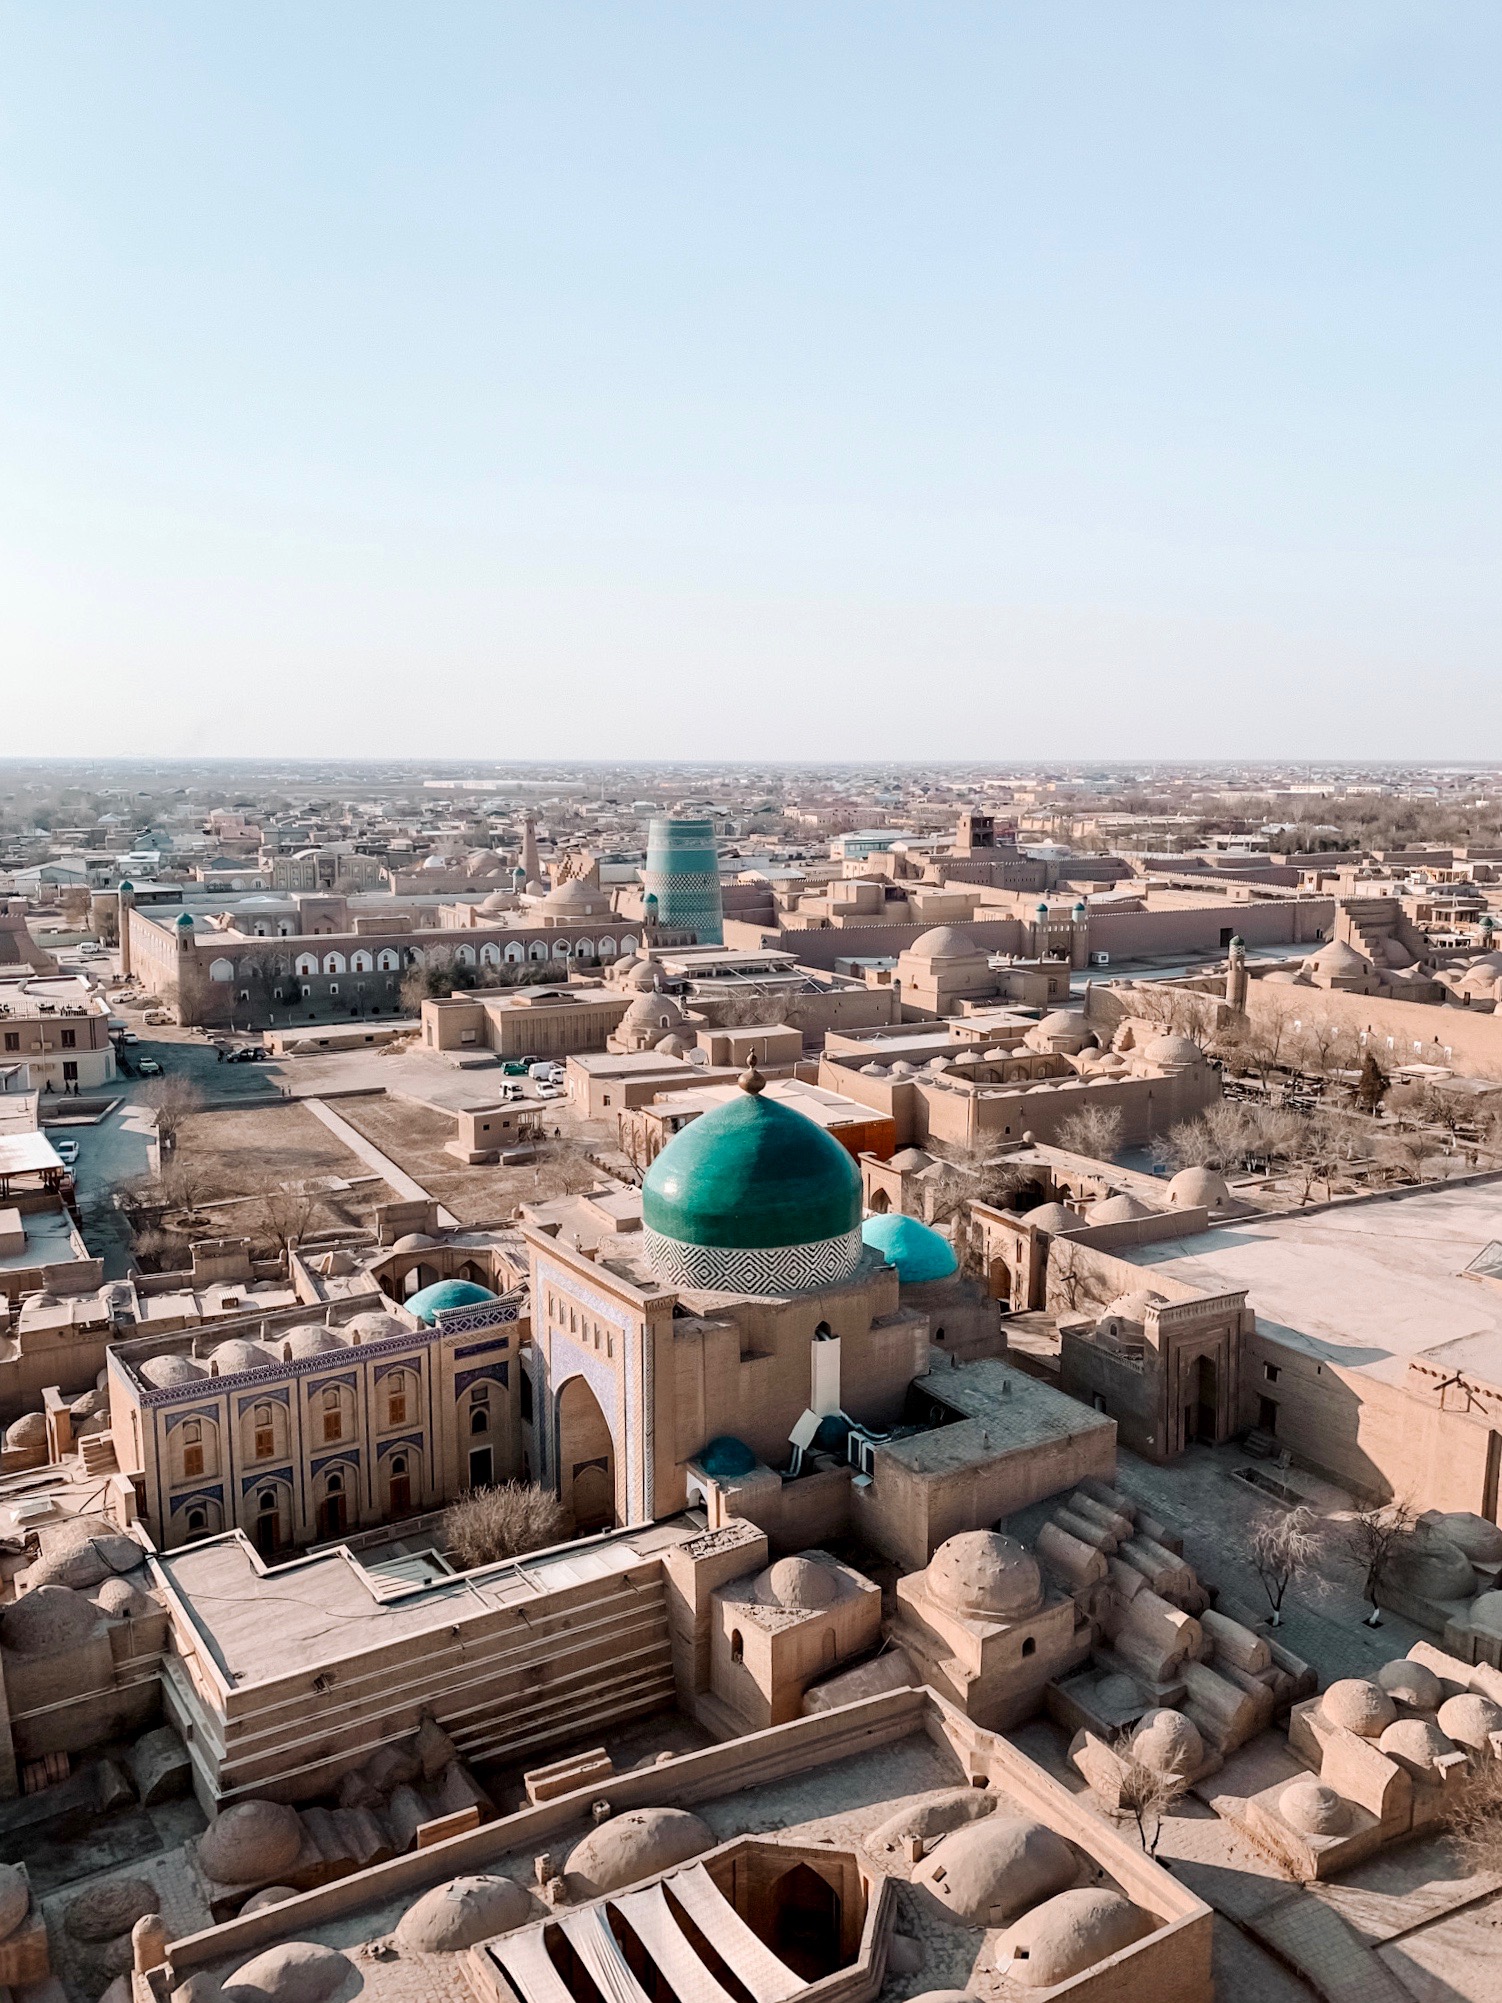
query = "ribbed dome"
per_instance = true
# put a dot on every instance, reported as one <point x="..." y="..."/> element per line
<point x="917" y="1251"/>
<point x="754" y="1172"/>
<point x="444" y="1294"/>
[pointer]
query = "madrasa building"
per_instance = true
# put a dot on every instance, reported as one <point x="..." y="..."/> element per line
<point x="736" y="1336"/>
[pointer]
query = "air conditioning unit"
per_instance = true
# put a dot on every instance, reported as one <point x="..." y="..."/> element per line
<point x="1100" y="959"/>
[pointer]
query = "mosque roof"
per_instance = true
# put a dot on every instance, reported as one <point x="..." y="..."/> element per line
<point x="917" y="1251"/>
<point x="754" y="1172"/>
<point x="432" y="1301"/>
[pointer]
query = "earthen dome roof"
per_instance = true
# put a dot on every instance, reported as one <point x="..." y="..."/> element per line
<point x="1361" y="1706"/>
<point x="1415" y="1743"/>
<point x="1192" y="1188"/>
<point x="1411" y="1683"/>
<point x="1313" y="1808"/>
<point x="1480" y="1539"/>
<point x="1070" y="1933"/>
<point x="1470" y="1719"/>
<point x="49" y="1620"/>
<point x="165" y="1371"/>
<point x="943" y="942"/>
<point x="800" y="1584"/>
<point x="983" y="1572"/>
<point x="460" y="1913"/>
<point x="238" y="1354"/>
<point x="987" y="1872"/>
<point x="250" y="1842"/>
<point x="1168" y="1742"/>
<point x="638" y="1844"/>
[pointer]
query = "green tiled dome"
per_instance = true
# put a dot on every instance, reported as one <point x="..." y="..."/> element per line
<point x="752" y="1173"/>
<point x="917" y="1251"/>
<point x="437" y="1299"/>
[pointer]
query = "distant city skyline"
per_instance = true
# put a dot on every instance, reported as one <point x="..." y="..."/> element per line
<point x="816" y="383"/>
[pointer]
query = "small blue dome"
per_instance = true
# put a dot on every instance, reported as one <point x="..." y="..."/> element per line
<point x="185" y="921"/>
<point x="726" y="1457"/>
<point x="443" y="1294"/>
<point x="834" y="1431"/>
<point x="917" y="1251"/>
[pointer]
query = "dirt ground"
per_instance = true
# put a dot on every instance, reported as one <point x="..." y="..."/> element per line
<point x="266" y="1148"/>
<point x="414" y="1138"/>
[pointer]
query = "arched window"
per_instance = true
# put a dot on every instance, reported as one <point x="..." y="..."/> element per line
<point x="584" y="949"/>
<point x="361" y="962"/>
<point x="607" y="949"/>
<point x="265" y="1433"/>
<point x="515" y="952"/>
<point x="737" y="1646"/>
<point x="490" y="954"/>
<point x="398" y="1464"/>
<point x="479" y="1408"/>
<point x="191" y="1438"/>
<point x="538" y="951"/>
<point x="197" y="1522"/>
<point x="221" y="970"/>
<point x="388" y="960"/>
<point x="560" y="949"/>
<point x="335" y="1484"/>
<point x="397" y="1387"/>
<point x="333" y="963"/>
<point x="465" y="955"/>
<point x="333" y="1414"/>
<point x="307" y="963"/>
<point x="266" y="1501"/>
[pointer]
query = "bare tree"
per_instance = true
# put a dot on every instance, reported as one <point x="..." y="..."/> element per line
<point x="1282" y="1543"/>
<point x="1146" y="1794"/>
<point x="183" y="1187"/>
<point x="283" y="1215"/>
<point x="1372" y="1536"/>
<point x="1187" y="1145"/>
<point x="564" y="1166"/>
<point x="489" y="1524"/>
<point x="1094" y="1130"/>
<point x="1474" y="1825"/>
<point x="172" y="1100"/>
<point x="1372" y="1086"/>
<point x="1072" y="1282"/>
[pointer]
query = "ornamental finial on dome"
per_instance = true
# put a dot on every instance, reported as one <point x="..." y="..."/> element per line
<point x="751" y="1079"/>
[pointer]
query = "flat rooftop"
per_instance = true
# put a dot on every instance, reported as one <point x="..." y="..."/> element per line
<point x="50" y="1241"/>
<point x="41" y="995"/>
<point x="1004" y="1411"/>
<point x="1365" y="1285"/>
<point x="262" y="1626"/>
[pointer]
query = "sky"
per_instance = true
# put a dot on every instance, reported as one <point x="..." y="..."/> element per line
<point x="761" y="380"/>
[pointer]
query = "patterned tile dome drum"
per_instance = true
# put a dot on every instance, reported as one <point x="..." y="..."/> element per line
<point x="683" y="874"/>
<point x="753" y="1198"/>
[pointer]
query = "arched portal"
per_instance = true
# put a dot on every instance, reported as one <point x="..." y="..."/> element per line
<point x="805" y="1913"/>
<point x="586" y="1459"/>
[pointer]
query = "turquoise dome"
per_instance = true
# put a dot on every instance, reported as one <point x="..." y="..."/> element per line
<point x="753" y="1198"/>
<point x="726" y="1457"/>
<point x="752" y="1172"/>
<point x="917" y="1251"/>
<point x="435" y="1300"/>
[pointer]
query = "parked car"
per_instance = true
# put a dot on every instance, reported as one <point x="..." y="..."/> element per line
<point x="545" y="1091"/>
<point x="147" y="1067"/>
<point x="156" y="1015"/>
<point x="67" y="1152"/>
<point x="129" y="1036"/>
